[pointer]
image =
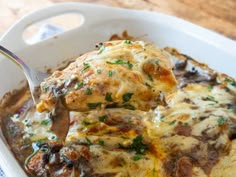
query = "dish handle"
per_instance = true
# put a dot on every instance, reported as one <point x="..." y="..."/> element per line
<point x="13" y="38"/>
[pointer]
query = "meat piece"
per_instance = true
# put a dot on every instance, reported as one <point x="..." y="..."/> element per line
<point x="187" y="70"/>
<point x="74" y="154"/>
<point x="36" y="164"/>
<point x="184" y="167"/>
<point x="60" y="121"/>
<point x="55" y="160"/>
<point x="122" y="74"/>
<point x="183" y="130"/>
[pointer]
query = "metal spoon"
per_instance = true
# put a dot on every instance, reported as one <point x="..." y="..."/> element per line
<point x="60" y="125"/>
<point x="33" y="77"/>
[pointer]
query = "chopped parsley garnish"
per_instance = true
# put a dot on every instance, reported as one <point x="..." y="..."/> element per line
<point x="102" y="118"/>
<point x="137" y="157"/>
<point x="101" y="142"/>
<point x="172" y="122"/>
<point x="78" y="85"/>
<point x="108" y="97"/>
<point x="86" y="66"/>
<point x="157" y="63"/>
<point x="210" y="98"/>
<point x="86" y="123"/>
<point x="129" y="106"/>
<point x="230" y="106"/>
<point x="150" y="78"/>
<point x="26" y="120"/>
<point x="221" y="121"/>
<point x="45" y="122"/>
<point x="130" y="65"/>
<point x="110" y="73"/>
<point x="232" y="82"/>
<point x="99" y="71"/>
<point x="148" y="85"/>
<point x="54" y="137"/>
<point x="127" y="42"/>
<point x="45" y="88"/>
<point x="124" y="137"/>
<point x="137" y="145"/>
<point x="119" y="61"/>
<point x="162" y="118"/>
<point x="28" y="125"/>
<point x="101" y="49"/>
<point x="88" y="91"/>
<point x="94" y="105"/>
<point x="127" y="96"/>
<point x="31" y="134"/>
<point x="209" y="87"/>
<point x="88" y="141"/>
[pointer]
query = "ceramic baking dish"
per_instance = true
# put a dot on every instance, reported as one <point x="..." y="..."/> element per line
<point x="98" y="24"/>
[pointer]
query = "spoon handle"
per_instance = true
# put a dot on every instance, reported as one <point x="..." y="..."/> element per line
<point x="15" y="59"/>
<point x="33" y="77"/>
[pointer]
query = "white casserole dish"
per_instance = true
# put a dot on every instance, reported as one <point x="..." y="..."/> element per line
<point x="98" y="24"/>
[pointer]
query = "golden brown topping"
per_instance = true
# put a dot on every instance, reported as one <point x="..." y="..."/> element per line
<point x="120" y="74"/>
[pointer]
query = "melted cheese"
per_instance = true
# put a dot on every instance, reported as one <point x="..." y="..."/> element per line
<point x="121" y="127"/>
<point x="226" y="165"/>
<point x="195" y="106"/>
<point x="190" y="133"/>
<point x="139" y="69"/>
<point x="36" y="125"/>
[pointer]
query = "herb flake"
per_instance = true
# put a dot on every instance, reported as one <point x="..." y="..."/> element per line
<point x="101" y="142"/>
<point x="129" y="106"/>
<point x="209" y="87"/>
<point x="31" y="134"/>
<point x="110" y="73"/>
<point x="220" y="121"/>
<point x="108" y="97"/>
<point x="124" y="137"/>
<point x="99" y="71"/>
<point x="102" y="118"/>
<point x="150" y="78"/>
<point x="89" y="91"/>
<point x="127" y="96"/>
<point x="101" y="49"/>
<point x="94" y="105"/>
<point x="231" y="82"/>
<point x="148" y="85"/>
<point x="172" y="122"/>
<point x="78" y="85"/>
<point x="45" y="122"/>
<point x="45" y="87"/>
<point x="119" y="61"/>
<point x="137" y="157"/>
<point x="86" y="123"/>
<point x="162" y="118"/>
<point x="127" y="42"/>
<point x="86" y="66"/>
<point x="138" y="146"/>
<point x="88" y="141"/>
<point x="210" y="98"/>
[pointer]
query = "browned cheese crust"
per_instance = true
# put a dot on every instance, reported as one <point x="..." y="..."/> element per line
<point x="119" y="74"/>
<point x="190" y="132"/>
